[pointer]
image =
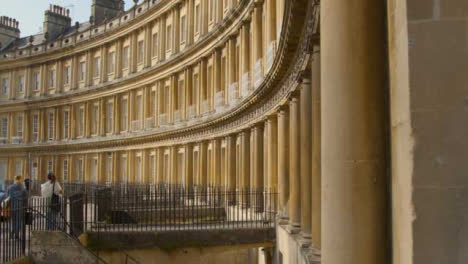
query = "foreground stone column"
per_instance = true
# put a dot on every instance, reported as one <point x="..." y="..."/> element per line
<point x="283" y="162"/>
<point x="353" y="132"/>
<point x="316" y="150"/>
<point x="294" y="166"/>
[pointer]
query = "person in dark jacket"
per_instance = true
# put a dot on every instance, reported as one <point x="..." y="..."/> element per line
<point x="18" y="198"/>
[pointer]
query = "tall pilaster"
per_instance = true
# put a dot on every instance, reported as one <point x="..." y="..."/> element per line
<point x="294" y="166"/>
<point x="354" y="182"/>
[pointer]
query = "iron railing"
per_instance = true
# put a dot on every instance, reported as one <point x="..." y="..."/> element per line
<point x="105" y="208"/>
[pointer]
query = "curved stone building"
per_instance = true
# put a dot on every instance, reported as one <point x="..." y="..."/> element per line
<point x="325" y="103"/>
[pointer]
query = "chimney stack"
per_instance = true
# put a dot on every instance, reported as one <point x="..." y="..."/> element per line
<point x="102" y="10"/>
<point x="9" y="30"/>
<point x="57" y="19"/>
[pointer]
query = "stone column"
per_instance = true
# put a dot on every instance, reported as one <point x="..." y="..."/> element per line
<point x="245" y="165"/>
<point x="257" y="32"/>
<point x="217" y="174"/>
<point x="354" y="185"/>
<point x="148" y="47"/>
<point x="283" y="162"/>
<point x="257" y="165"/>
<point x="316" y="150"/>
<point x="203" y="163"/>
<point x="160" y="165"/>
<point x="116" y="125"/>
<point x="258" y="157"/>
<point x="231" y="162"/>
<point x="189" y="181"/>
<point x="270" y="21"/>
<point x="272" y="157"/>
<point x="294" y="168"/>
<point x="174" y="179"/>
<point x="305" y="157"/>
<point x="245" y="56"/>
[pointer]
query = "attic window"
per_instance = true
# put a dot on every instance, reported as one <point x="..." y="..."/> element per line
<point x="36" y="49"/>
<point x="96" y="30"/>
<point x="81" y="36"/>
<point x="139" y="10"/>
<point x="110" y="25"/>
<point x="125" y="17"/>
<point x="51" y="45"/>
<point x="21" y="53"/>
<point x="67" y="40"/>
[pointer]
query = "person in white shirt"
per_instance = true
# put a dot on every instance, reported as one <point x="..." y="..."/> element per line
<point x="50" y="185"/>
<point x="54" y="205"/>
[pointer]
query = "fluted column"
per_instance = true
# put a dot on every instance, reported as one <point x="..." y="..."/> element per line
<point x="283" y="162"/>
<point x="354" y="185"/>
<point x="316" y="150"/>
<point x="245" y="164"/>
<point x="294" y="166"/>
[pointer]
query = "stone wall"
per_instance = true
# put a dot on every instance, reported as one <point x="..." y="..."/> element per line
<point x="57" y="247"/>
<point x="212" y="255"/>
<point x="429" y="105"/>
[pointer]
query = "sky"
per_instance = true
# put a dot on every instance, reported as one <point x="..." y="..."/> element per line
<point x="30" y="13"/>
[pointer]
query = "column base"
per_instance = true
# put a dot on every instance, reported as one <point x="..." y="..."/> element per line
<point x="293" y="229"/>
<point x="282" y="220"/>
<point x="306" y="240"/>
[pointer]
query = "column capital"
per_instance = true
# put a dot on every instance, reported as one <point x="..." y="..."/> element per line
<point x="304" y="77"/>
<point x="246" y="21"/>
<point x="294" y="97"/>
<point x="258" y="3"/>
<point x="282" y="109"/>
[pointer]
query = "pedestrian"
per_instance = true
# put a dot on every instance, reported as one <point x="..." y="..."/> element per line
<point x="18" y="198"/>
<point x="52" y="191"/>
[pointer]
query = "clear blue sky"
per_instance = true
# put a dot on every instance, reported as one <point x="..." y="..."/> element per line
<point x="30" y="13"/>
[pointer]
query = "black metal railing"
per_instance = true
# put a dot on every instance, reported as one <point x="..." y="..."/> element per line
<point x="133" y="207"/>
